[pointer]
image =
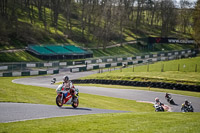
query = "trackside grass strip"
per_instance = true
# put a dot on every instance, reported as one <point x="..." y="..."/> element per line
<point x="111" y="123"/>
<point x="186" y="93"/>
<point x="176" y="71"/>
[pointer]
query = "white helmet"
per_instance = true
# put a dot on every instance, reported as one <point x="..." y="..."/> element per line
<point x="157" y="99"/>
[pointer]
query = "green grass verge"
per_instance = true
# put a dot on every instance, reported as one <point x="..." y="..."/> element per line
<point x="186" y="93"/>
<point x="170" y="77"/>
<point x="11" y="92"/>
<point x="106" y="123"/>
<point x="135" y="49"/>
<point x="17" y="57"/>
<point x="152" y="72"/>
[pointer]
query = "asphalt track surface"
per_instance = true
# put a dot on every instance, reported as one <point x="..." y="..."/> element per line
<point x="39" y="111"/>
<point x="12" y="112"/>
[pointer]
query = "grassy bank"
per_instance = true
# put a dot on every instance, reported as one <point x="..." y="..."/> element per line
<point x="152" y="72"/>
<point x="106" y="123"/>
<point x="19" y="56"/>
<point x="186" y="93"/>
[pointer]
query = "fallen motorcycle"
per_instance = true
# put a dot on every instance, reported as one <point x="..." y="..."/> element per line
<point x="65" y="97"/>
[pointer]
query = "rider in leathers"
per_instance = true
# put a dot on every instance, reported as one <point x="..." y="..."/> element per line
<point x="168" y="96"/>
<point x="158" y="104"/>
<point x="68" y="86"/>
<point x="157" y="101"/>
<point x="186" y="104"/>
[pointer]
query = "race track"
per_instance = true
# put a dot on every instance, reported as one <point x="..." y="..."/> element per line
<point x="44" y="81"/>
<point x="12" y="112"/>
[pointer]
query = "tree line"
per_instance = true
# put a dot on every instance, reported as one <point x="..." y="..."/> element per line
<point x="105" y="20"/>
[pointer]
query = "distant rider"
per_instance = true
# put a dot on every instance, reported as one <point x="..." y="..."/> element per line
<point x="168" y="96"/>
<point x="68" y="86"/>
<point x="53" y="80"/>
<point x="186" y="104"/>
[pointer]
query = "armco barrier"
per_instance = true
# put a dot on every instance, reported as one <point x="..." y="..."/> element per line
<point x="129" y="62"/>
<point x="163" y="85"/>
<point x="26" y="74"/>
<point x="29" y="73"/>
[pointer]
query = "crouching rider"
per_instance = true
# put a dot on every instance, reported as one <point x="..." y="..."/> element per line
<point x="68" y="86"/>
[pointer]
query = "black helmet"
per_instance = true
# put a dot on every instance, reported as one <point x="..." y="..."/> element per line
<point x="65" y="78"/>
<point x="186" y="101"/>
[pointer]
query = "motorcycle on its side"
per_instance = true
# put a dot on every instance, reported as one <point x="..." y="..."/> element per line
<point x="65" y="97"/>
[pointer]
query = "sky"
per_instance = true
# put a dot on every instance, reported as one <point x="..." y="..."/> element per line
<point x="188" y="0"/>
<point x="178" y="1"/>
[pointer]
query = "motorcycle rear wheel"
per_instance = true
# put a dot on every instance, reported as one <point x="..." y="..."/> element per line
<point x="58" y="101"/>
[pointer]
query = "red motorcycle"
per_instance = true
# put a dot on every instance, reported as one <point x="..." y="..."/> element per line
<point x="65" y="97"/>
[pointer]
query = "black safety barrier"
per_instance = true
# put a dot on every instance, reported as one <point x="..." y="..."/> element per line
<point x="163" y="85"/>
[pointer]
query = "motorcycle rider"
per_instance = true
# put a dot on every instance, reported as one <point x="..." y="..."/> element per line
<point x="53" y="80"/>
<point x="157" y="101"/>
<point x="158" y="104"/>
<point x="186" y="104"/>
<point x="68" y="86"/>
<point x="168" y="96"/>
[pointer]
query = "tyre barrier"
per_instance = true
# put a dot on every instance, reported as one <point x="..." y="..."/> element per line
<point x="163" y="85"/>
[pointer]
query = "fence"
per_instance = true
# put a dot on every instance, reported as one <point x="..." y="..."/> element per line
<point x="24" y="66"/>
<point x="164" y="67"/>
<point x="99" y="63"/>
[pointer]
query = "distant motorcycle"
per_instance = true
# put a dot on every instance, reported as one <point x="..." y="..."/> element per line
<point x="169" y="100"/>
<point x="158" y="108"/>
<point x="187" y="108"/>
<point x="124" y="66"/>
<point x="65" y="97"/>
<point x="53" y="81"/>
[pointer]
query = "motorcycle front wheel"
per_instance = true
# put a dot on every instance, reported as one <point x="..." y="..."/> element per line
<point x="75" y="105"/>
<point x="59" y="101"/>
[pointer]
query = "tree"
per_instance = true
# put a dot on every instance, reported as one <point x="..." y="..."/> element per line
<point x="196" y="19"/>
<point x="185" y="14"/>
<point x="168" y="15"/>
<point x="55" y="4"/>
<point x="3" y="8"/>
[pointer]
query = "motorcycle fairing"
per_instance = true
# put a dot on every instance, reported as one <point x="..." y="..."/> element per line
<point x="68" y="98"/>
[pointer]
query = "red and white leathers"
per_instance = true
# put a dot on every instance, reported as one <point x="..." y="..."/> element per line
<point x="68" y="86"/>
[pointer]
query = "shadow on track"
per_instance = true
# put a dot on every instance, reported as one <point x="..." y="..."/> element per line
<point x="76" y="108"/>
